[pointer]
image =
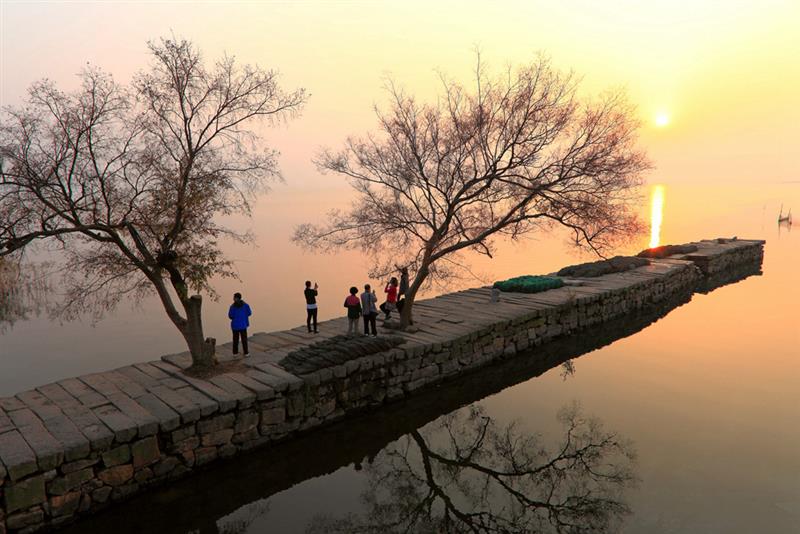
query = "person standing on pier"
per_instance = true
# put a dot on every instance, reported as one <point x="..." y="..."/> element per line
<point x="369" y="307"/>
<point x="239" y="314"/>
<point x="353" y="306"/>
<point x="311" y="305"/>
<point x="391" y="298"/>
<point x="403" y="282"/>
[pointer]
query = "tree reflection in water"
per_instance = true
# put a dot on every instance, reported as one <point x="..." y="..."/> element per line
<point x="23" y="292"/>
<point x="467" y="473"/>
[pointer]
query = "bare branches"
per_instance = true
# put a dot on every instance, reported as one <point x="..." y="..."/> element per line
<point x="129" y="180"/>
<point x="505" y="159"/>
<point x="466" y="473"/>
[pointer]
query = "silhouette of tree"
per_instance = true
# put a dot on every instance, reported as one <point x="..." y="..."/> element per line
<point x="22" y="294"/>
<point x="465" y="473"/>
<point x="129" y="182"/>
<point x="515" y="154"/>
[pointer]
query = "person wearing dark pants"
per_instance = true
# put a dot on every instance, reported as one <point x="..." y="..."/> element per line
<point x="239" y="313"/>
<point x="311" y="305"/>
<point x="369" y="306"/>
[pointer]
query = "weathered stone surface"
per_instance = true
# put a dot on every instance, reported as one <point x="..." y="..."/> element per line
<point x="98" y="434"/>
<point x="217" y="423"/>
<point x="187" y="408"/>
<point x="205" y="455"/>
<point x="183" y="433"/>
<point x="226" y="451"/>
<point x="24" y="519"/>
<point x="146" y="423"/>
<point x="273" y="416"/>
<point x="243" y="396"/>
<point x="143" y="475"/>
<point x="24" y="494"/>
<point x="123" y="492"/>
<point x="49" y="452"/>
<point x="145" y="452"/>
<point x="245" y="421"/>
<point x="187" y="444"/>
<point x="220" y="437"/>
<point x="101" y="495"/>
<point x="16" y="455"/>
<point x="65" y="504"/>
<point x="62" y="485"/>
<point x="165" y="466"/>
<point x="116" y="476"/>
<point x="78" y="465"/>
<point x="262" y="391"/>
<point x="117" y="456"/>
<point x="168" y="419"/>
<point x="123" y="427"/>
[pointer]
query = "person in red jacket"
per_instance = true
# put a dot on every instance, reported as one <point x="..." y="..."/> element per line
<point x="391" y="298"/>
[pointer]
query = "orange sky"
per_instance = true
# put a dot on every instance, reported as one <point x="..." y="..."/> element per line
<point x="726" y="73"/>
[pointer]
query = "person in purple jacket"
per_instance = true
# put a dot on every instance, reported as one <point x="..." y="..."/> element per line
<point x="239" y="313"/>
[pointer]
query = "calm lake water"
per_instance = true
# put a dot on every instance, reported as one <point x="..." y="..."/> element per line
<point x="707" y="397"/>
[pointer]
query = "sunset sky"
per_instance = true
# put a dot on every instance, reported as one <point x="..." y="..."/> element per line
<point x="715" y="82"/>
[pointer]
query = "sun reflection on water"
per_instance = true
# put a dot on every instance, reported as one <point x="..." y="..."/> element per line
<point x="656" y="211"/>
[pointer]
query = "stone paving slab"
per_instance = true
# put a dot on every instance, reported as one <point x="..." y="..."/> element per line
<point x="16" y="455"/>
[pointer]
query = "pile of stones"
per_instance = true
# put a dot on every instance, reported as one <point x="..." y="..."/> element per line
<point x="335" y="351"/>
<point x="592" y="269"/>
<point x="667" y="250"/>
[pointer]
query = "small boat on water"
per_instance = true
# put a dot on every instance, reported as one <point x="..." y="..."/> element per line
<point x="787" y="219"/>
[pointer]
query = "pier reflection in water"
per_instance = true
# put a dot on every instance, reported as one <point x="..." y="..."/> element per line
<point x="441" y="426"/>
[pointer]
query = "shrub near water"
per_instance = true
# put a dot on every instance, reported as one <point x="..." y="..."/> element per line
<point x="529" y="284"/>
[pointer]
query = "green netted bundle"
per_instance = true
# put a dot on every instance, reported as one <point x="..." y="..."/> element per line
<point x="529" y="284"/>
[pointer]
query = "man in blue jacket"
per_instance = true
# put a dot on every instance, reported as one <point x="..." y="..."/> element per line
<point x="238" y="314"/>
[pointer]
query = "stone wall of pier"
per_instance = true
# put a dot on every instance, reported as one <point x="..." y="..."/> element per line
<point x="78" y="445"/>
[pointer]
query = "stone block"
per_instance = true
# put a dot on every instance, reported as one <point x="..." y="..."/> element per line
<point x="116" y="476"/>
<point x="143" y="475"/>
<point x="117" y="456"/>
<point x="273" y="416"/>
<point x="187" y="457"/>
<point x="220" y="437"/>
<point x="123" y="492"/>
<point x="78" y="465"/>
<point x="145" y="452"/>
<point x="66" y="504"/>
<point x="226" y="451"/>
<point x="24" y="494"/>
<point x="183" y="433"/>
<point x="101" y="495"/>
<point x="245" y="421"/>
<point x="205" y="455"/>
<point x="216" y="423"/>
<point x="69" y="482"/>
<point x="188" y="444"/>
<point x="25" y="519"/>
<point x="165" y="466"/>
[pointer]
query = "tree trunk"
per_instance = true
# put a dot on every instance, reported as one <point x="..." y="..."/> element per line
<point x="406" y="316"/>
<point x="202" y="350"/>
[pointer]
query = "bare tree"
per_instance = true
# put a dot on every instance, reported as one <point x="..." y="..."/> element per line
<point x="467" y="473"/>
<point x="516" y="154"/>
<point x="130" y="182"/>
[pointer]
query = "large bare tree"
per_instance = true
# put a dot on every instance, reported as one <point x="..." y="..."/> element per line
<point x="514" y="154"/>
<point x="131" y="182"/>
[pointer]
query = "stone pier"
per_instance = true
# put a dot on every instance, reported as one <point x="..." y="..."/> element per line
<point x="81" y="444"/>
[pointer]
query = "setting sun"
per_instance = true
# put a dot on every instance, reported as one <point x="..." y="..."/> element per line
<point x="662" y="119"/>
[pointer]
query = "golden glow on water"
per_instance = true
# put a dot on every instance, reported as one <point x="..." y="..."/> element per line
<point x="656" y="215"/>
